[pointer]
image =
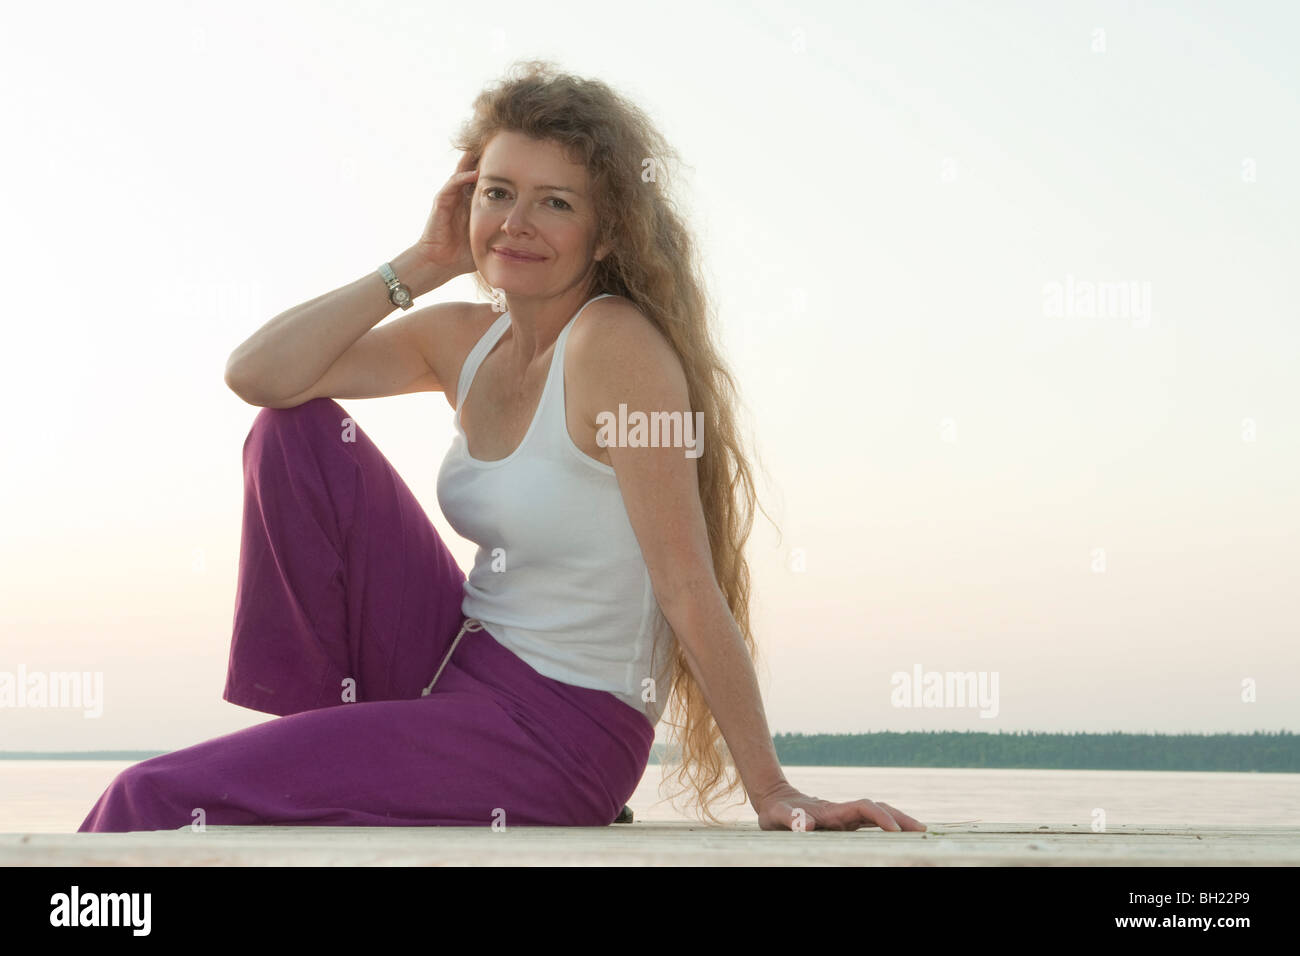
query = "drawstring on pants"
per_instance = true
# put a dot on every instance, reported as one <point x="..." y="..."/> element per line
<point x="471" y="624"/>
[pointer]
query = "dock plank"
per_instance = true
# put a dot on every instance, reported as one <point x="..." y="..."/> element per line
<point x="663" y="844"/>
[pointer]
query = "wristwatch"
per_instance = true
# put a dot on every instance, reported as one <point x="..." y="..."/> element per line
<point x="398" y="294"/>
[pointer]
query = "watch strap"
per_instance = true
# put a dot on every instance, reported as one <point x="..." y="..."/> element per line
<point x="394" y="286"/>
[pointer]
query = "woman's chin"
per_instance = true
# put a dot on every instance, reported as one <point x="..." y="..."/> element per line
<point x="509" y="285"/>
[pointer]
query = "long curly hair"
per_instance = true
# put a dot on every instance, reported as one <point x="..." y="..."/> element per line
<point x="655" y="264"/>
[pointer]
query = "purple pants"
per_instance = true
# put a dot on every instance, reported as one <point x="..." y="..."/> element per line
<point x="346" y="590"/>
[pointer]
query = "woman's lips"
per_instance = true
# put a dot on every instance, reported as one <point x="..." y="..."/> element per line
<point x="513" y="258"/>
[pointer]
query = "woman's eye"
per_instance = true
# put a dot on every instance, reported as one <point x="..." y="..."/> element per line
<point x="488" y="191"/>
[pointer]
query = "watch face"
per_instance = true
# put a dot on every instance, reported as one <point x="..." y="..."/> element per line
<point x="401" y="295"/>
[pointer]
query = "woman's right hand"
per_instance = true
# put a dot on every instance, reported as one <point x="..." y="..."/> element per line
<point x="445" y="240"/>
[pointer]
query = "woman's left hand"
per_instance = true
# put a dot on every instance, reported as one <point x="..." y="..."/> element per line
<point x="780" y="810"/>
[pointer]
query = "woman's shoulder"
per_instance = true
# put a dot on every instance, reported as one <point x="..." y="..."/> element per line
<point x="614" y="338"/>
<point x="612" y="323"/>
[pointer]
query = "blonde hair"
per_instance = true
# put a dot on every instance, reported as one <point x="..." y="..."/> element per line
<point x="654" y="263"/>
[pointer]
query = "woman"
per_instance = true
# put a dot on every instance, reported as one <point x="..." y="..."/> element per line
<point x="610" y="578"/>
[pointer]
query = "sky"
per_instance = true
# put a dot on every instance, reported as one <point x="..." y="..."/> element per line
<point x="905" y="212"/>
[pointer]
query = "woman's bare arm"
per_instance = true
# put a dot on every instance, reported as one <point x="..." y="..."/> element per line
<point x="330" y="336"/>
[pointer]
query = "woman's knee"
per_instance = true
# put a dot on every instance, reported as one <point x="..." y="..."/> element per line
<point x="315" y="408"/>
<point x="315" y="413"/>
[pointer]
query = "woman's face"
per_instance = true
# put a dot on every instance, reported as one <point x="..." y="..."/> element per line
<point x="528" y="197"/>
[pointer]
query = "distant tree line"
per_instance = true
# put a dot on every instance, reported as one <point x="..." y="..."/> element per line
<point x="1260" y="751"/>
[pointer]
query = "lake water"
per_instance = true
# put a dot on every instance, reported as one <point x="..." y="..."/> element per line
<point x="54" y="796"/>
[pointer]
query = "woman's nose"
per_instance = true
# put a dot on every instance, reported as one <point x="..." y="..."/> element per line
<point x="515" y="220"/>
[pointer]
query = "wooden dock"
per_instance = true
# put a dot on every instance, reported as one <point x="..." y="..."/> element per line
<point x="664" y="844"/>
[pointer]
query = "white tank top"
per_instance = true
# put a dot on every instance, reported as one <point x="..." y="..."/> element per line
<point x="558" y="577"/>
